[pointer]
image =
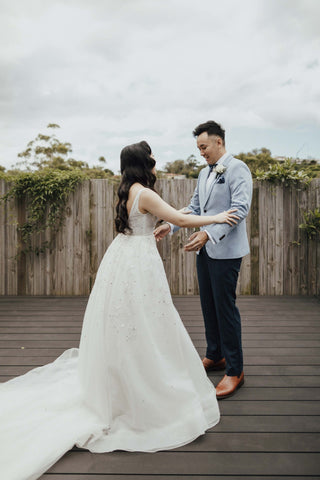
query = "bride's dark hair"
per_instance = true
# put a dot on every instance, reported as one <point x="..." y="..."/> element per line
<point x="136" y="164"/>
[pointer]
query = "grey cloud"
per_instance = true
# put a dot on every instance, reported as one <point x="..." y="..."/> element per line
<point x="313" y="64"/>
<point x="113" y="71"/>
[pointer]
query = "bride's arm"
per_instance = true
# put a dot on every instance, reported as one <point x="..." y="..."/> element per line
<point x="152" y="203"/>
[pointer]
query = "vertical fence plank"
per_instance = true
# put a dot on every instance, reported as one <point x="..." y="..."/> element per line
<point x="95" y="201"/>
<point x="3" y="245"/>
<point x="263" y="247"/>
<point x="48" y="265"/>
<point x="244" y="282"/>
<point x="311" y="260"/>
<point x="278" y="247"/>
<point x="81" y="229"/>
<point x="254" y="242"/>
<point x="287" y="247"/>
<point x="303" y="266"/>
<point x="271" y="265"/>
<point x="9" y="244"/>
<point x="34" y="265"/>
<point x="294" y="242"/>
<point x="63" y="254"/>
<point x="109" y="214"/>
<point x="101" y="222"/>
<point x="317" y="240"/>
<point x="21" y="260"/>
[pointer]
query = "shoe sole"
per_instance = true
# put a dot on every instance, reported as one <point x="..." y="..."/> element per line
<point x="232" y="393"/>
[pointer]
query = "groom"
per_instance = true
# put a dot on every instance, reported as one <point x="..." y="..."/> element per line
<point x="224" y="184"/>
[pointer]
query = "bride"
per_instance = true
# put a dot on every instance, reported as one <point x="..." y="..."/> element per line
<point x="136" y="383"/>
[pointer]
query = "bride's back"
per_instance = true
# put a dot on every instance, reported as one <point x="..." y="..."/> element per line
<point x="140" y="223"/>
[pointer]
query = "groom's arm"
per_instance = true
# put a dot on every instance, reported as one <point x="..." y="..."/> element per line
<point x="241" y="195"/>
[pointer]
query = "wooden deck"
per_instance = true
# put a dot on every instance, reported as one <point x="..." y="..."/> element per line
<point x="269" y="430"/>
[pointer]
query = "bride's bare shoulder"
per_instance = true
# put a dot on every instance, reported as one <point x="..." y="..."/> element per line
<point x="148" y="195"/>
<point x="147" y="192"/>
<point x="145" y="197"/>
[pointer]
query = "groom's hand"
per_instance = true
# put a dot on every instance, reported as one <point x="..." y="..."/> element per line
<point x="161" y="231"/>
<point x="196" y="241"/>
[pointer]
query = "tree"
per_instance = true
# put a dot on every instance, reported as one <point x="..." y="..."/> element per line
<point x="257" y="159"/>
<point x="189" y="167"/>
<point x="48" y="152"/>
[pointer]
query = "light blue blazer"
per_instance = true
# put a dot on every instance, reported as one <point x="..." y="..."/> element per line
<point x="231" y="189"/>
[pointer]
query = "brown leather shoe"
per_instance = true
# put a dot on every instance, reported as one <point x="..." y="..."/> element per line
<point x="228" y="386"/>
<point x="210" y="365"/>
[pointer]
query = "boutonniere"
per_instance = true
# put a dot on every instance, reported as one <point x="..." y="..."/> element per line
<point x="220" y="169"/>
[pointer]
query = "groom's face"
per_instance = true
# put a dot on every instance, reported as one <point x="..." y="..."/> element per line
<point x="210" y="147"/>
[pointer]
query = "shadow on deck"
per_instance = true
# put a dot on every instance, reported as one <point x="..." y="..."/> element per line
<point x="269" y="430"/>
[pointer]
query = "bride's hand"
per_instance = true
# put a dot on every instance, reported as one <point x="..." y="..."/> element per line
<point x="227" y="217"/>
<point x="185" y="210"/>
<point x="161" y="231"/>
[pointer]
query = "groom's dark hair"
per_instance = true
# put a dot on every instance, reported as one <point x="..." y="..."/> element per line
<point x="211" y="127"/>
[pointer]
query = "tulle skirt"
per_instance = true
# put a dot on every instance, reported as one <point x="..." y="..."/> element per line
<point x="136" y="383"/>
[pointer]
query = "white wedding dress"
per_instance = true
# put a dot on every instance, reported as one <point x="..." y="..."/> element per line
<point x="136" y="382"/>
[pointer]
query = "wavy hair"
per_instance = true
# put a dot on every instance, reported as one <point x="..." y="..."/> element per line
<point x="136" y="164"/>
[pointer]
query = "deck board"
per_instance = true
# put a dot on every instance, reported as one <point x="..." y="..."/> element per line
<point x="269" y="430"/>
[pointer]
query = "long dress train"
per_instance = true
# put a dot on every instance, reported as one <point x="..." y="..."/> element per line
<point x="136" y="383"/>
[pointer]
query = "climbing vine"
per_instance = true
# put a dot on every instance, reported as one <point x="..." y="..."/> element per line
<point x="311" y="225"/>
<point x="45" y="194"/>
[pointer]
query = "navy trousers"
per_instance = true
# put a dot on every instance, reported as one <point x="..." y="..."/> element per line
<point x="217" y="284"/>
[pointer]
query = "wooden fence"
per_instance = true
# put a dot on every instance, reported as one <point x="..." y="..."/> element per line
<point x="282" y="260"/>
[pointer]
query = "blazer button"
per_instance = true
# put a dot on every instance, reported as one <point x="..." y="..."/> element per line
<point x="205" y="211"/>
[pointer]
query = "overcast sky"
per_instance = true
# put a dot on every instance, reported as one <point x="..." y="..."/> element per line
<point x="114" y="72"/>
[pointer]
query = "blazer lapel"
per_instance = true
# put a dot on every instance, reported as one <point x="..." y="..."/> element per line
<point x="208" y="193"/>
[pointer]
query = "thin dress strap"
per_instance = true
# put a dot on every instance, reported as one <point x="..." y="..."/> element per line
<point x="136" y="200"/>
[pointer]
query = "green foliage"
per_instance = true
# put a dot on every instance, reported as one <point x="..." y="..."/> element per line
<point x="257" y="159"/>
<point x="260" y="160"/>
<point x="45" y="193"/>
<point x="285" y="173"/>
<point x="190" y="167"/>
<point x="311" y="225"/>
<point x="311" y="167"/>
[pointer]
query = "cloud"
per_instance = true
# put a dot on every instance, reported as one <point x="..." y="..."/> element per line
<point x="114" y="72"/>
